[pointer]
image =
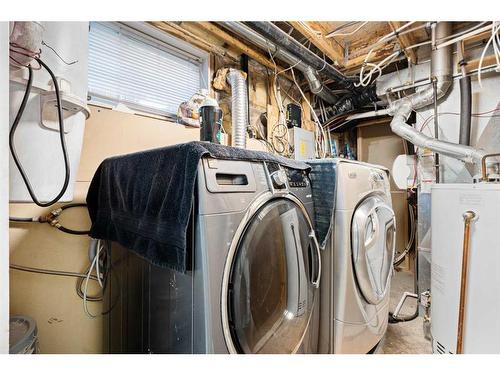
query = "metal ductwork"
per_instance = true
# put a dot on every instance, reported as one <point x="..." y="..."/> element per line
<point x="316" y="86"/>
<point x="239" y="107"/>
<point x="441" y="71"/>
<point x="312" y="77"/>
<point x="288" y="43"/>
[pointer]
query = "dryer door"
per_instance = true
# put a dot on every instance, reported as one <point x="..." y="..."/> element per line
<point x="273" y="280"/>
<point x="373" y="241"/>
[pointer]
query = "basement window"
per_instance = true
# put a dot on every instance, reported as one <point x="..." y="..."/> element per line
<point x="137" y="66"/>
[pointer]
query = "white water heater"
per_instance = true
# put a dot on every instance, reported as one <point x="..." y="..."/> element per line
<point x="64" y="49"/>
<point x="481" y="314"/>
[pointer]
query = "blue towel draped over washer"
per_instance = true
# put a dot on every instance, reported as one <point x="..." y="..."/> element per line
<point x="323" y="177"/>
<point x="144" y="200"/>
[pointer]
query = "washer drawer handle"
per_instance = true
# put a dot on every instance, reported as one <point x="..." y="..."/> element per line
<point x="312" y="236"/>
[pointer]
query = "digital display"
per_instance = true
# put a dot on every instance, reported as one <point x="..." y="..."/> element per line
<point x="296" y="178"/>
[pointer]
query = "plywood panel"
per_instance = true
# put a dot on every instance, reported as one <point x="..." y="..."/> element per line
<point x="109" y="133"/>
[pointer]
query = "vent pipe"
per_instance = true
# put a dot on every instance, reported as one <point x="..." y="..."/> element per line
<point x="285" y="41"/>
<point x="239" y="107"/>
<point x="441" y="72"/>
<point x="312" y="77"/>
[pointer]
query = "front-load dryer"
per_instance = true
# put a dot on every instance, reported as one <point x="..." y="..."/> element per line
<point x="252" y="285"/>
<point x="357" y="260"/>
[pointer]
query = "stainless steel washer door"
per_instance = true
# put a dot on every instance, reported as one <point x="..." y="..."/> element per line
<point x="272" y="286"/>
<point x="373" y="241"/>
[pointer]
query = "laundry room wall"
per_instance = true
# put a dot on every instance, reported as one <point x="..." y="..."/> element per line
<point x="4" y="192"/>
<point x="52" y="300"/>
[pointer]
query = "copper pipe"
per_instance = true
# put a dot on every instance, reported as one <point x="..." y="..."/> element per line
<point x="484" y="171"/>
<point x="468" y="217"/>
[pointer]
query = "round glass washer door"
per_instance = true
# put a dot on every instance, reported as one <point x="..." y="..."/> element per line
<point x="271" y="291"/>
<point x="373" y="233"/>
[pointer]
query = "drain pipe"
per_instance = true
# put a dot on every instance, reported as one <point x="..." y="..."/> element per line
<point x="312" y="77"/>
<point x="239" y="107"/>
<point x="285" y="41"/>
<point x="441" y="71"/>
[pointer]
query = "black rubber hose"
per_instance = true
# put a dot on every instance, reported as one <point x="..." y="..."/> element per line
<point x="59" y="226"/>
<point x="402" y="319"/>
<point x="285" y="41"/>
<point x="465" y="110"/>
<point x="68" y="230"/>
<point x="61" y="137"/>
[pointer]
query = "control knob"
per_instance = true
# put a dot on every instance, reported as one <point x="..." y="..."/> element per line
<point x="279" y="179"/>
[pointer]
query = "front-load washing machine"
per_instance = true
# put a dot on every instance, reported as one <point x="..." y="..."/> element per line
<point x="357" y="260"/>
<point x="252" y="284"/>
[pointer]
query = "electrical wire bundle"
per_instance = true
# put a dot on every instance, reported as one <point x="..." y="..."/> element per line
<point x="100" y="264"/>
<point x="495" y="41"/>
<point x="280" y="140"/>
<point x="99" y="271"/>
<point x="321" y="140"/>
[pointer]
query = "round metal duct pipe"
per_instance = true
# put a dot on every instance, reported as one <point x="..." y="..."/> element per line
<point x="239" y="107"/>
<point x="310" y="74"/>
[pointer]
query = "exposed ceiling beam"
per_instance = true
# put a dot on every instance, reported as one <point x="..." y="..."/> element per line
<point x="376" y="56"/>
<point x="176" y="30"/>
<point x="331" y="49"/>
<point x="405" y="41"/>
<point x="237" y="44"/>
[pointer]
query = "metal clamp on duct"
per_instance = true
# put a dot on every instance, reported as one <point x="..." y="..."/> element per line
<point x="441" y="71"/>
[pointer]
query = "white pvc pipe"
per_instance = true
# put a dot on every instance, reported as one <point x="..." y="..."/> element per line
<point x="462" y="37"/>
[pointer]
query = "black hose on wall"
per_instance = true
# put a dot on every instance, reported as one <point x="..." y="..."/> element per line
<point x="465" y="110"/>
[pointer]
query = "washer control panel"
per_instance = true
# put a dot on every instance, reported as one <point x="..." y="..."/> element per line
<point x="297" y="178"/>
<point x="282" y="177"/>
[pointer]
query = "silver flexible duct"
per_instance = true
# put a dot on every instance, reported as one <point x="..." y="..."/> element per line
<point x="311" y="75"/>
<point x="239" y="107"/>
<point x="441" y="71"/>
<point x="317" y="88"/>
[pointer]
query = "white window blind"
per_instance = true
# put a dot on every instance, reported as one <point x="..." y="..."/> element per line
<point x="139" y="72"/>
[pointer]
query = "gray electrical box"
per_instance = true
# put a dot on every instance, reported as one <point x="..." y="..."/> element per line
<point x="303" y="143"/>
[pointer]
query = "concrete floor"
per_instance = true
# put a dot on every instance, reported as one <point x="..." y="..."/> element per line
<point x="407" y="337"/>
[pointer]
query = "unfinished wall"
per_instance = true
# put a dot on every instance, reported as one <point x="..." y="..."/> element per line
<point x="51" y="300"/>
<point x="4" y="191"/>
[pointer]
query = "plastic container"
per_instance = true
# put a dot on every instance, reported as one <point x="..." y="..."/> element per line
<point x="23" y="335"/>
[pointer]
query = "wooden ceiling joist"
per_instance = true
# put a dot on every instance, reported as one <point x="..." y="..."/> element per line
<point x="329" y="47"/>
<point x="405" y="41"/>
<point x="174" y="29"/>
<point x="237" y="44"/>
